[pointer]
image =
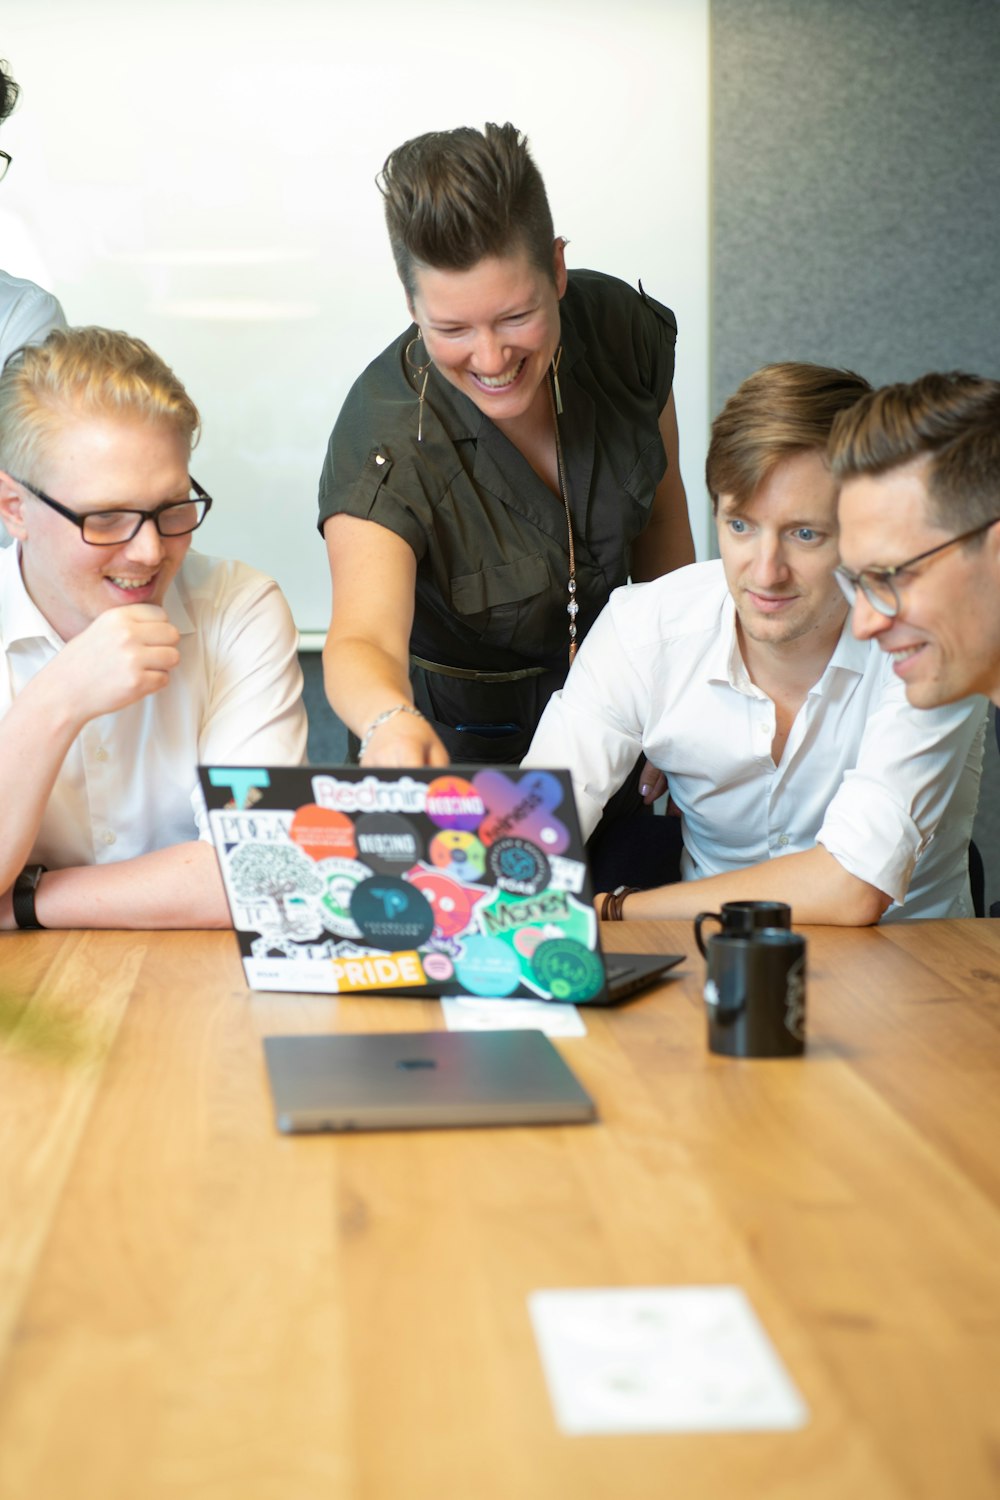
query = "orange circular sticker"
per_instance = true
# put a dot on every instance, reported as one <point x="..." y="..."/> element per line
<point x="323" y="833"/>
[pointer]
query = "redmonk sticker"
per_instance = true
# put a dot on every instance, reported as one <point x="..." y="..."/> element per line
<point x="381" y="971"/>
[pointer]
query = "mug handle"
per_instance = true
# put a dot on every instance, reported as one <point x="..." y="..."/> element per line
<point x="705" y="916"/>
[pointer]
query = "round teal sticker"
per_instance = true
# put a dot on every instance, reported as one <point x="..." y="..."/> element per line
<point x="567" y="969"/>
<point x="487" y="967"/>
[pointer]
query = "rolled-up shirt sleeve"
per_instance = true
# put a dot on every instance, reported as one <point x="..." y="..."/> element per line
<point x="911" y="769"/>
<point x="253" y="714"/>
<point x="593" y="727"/>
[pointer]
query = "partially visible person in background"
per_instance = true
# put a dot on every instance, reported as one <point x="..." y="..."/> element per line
<point x="27" y="313"/>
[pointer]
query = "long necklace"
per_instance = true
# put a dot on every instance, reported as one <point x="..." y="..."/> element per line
<point x="572" y="608"/>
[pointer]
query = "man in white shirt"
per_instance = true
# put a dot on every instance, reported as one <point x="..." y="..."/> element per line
<point x="799" y="770"/>
<point x="128" y="658"/>
<point x="919" y="470"/>
<point x="27" y="313"/>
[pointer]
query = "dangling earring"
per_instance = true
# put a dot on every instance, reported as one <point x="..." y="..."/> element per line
<point x="416" y="372"/>
<point x="556" y="361"/>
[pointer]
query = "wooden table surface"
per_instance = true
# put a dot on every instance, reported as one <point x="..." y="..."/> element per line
<point x="192" y="1305"/>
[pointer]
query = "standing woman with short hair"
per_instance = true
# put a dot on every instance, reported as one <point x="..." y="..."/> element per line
<point x="497" y="471"/>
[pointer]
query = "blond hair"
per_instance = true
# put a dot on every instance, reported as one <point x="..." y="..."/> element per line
<point x="780" y="410"/>
<point x="82" y="372"/>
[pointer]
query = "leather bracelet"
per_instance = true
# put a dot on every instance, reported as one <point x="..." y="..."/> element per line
<point x="383" y="718"/>
<point x="23" y="897"/>
<point x="614" y="901"/>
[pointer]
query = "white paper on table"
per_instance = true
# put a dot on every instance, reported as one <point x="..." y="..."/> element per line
<point x="661" y="1359"/>
<point x="471" y="1013"/>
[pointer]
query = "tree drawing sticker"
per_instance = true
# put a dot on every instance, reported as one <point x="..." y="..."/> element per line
<point x="277" y="885"/>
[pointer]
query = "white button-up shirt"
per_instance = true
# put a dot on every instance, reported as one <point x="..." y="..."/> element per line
<point x="128" y="784"/>
<point x="889" y="790"/>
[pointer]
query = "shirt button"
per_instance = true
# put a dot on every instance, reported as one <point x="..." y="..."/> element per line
<point x="379" y="459"/>
<point x="100" y="753"/>
<point x="109" y="837"/>
<point x="784" y="840"/>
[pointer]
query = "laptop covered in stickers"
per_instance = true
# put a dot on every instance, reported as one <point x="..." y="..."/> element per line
<point x="422" y="882"/>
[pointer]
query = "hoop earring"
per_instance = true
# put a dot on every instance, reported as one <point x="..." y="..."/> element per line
<point x="556" y="361"/>
<point x="416" y="371"/>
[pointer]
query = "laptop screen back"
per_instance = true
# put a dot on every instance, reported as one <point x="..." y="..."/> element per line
<point x="470" y="880"/>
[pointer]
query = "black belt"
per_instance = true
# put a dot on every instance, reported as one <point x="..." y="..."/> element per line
<point x="469" y="674"/>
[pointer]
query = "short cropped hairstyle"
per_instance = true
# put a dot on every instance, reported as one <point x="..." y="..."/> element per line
<point x="454" y="197"/>
<point x="950" y="420"/>
<point x="780" y="410"/>
<point x="84" y="372"/>
<point x="9" y="91"/>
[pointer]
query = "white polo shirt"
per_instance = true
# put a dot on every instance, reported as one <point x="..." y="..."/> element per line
<point x="128" y="784"/>
<point x="889" y="790"/>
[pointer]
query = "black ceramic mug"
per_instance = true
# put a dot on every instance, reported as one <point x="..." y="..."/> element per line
<point x="742" y="918"/>
<point x="755" y="993"/>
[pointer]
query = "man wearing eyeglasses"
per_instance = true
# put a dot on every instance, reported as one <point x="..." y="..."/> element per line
<point x="27" y="313"/>
<point x="799" y="770"/>
<point x="919" y="473"/>
<point x="128" y="657"/>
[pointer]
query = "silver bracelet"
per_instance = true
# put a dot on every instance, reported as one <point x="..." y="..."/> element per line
<point x="383" y="718"/>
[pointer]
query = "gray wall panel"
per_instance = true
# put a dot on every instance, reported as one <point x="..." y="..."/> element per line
<point x="856" y="187"/>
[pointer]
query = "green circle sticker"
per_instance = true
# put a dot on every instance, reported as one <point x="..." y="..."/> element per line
<point x="568" y="969"/>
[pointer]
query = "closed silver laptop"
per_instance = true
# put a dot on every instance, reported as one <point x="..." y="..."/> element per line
<point x="416" y="1080"/>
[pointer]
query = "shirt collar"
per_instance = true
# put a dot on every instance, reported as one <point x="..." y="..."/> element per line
<point x="850" y="654"/>
<point x="724" y="661"/>
<point x="22" y="620"/>
<point x="20" y="617"/>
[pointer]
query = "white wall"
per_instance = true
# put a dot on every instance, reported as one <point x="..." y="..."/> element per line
<point x="201" y="174"/>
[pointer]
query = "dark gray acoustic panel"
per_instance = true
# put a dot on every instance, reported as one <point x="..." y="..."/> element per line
<point x="856" y="186"/>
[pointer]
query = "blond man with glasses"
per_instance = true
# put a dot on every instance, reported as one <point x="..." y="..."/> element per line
<point x="128" y="656"/>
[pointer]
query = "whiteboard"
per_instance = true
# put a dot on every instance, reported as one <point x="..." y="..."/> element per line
<point x="201" y="173"/>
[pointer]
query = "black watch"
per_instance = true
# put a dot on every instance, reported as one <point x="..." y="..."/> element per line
<point x="25" y="887"/>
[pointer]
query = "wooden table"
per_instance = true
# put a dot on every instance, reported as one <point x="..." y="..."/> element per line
<point x="194" y="1306"/>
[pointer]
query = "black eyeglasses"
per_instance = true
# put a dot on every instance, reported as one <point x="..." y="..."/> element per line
<point x="878" y="584"/>
<point x="110" y="528"/>
<point x="5" y="161"/>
